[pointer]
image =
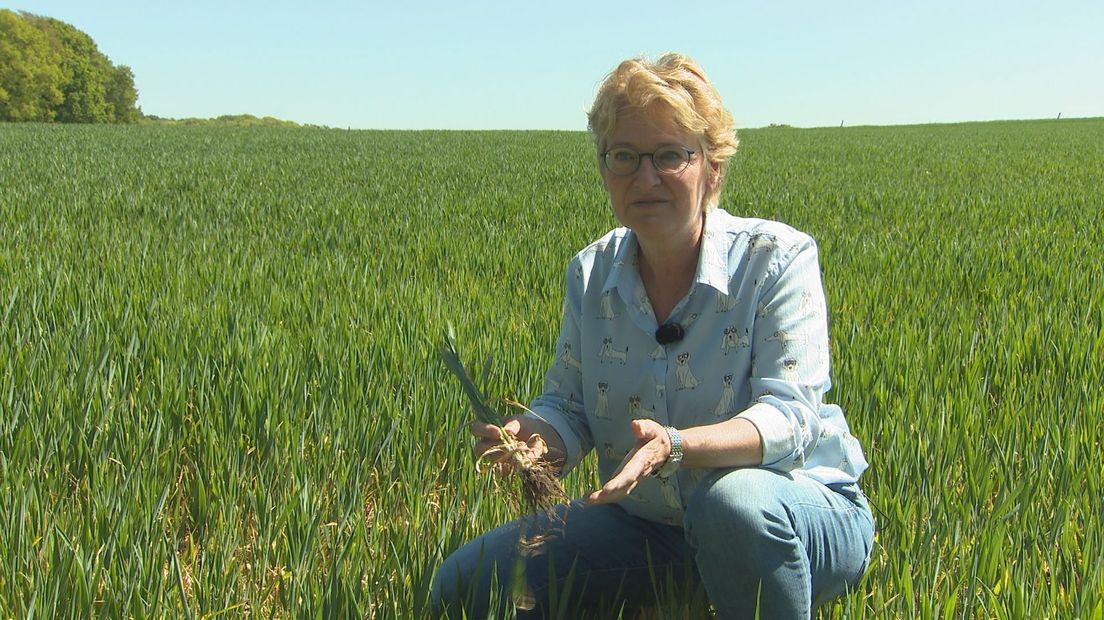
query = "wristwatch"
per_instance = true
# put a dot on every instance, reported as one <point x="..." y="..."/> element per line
<point x="675" y="458"/>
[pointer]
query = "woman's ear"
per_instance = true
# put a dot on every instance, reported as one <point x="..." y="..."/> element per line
<point x="714" y="179"/>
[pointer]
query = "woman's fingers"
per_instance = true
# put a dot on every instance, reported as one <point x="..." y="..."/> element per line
<point x="637" y="464"/>
<point x="483" y="430"/>
<point x="617" y="488"/>
<point x="512" y="426"/>
<point x="652" y="449"/>
<point x="489" y="448"/>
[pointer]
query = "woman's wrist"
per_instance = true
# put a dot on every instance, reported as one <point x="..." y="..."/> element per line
<point x="674" y="453"/>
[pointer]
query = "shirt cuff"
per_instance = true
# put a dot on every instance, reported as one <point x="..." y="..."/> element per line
<point x="774" y="431"/>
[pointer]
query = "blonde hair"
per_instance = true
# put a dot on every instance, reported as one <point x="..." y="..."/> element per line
<point x="681" y="84"/>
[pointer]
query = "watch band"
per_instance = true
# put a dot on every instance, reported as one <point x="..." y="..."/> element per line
<point x="675" y="458"/>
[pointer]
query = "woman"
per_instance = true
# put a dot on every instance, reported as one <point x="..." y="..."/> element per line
<point x="693" y="356"/>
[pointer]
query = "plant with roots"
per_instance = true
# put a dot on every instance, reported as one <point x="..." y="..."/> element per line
<point x="540" y="486"/>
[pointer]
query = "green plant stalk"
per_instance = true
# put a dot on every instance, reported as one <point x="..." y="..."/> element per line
<point x="479" y="400"/>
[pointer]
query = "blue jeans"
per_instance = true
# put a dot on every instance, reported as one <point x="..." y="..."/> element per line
<point x="750" y="535"/>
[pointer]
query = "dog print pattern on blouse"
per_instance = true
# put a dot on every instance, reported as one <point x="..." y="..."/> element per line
<point x="569" y="360"/>
<point x="686" y="379"/>
<point x="602" y="409"/>
<point x="606" y="309"/>
<point x="611" y="354"/>
<point x="754" y="345"/>
<point x="637" y="410"/>
<point x="726" y="407"/>
<point x="734" y="339"/>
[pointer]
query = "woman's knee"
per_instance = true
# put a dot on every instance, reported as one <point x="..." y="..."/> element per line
<point x="466" y="579"/>
<point x="735" y="503"/>
<point x="446" y="583"/>
<point x="453" y="585"/>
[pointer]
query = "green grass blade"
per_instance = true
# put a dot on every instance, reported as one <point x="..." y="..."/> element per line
<point x="451" y="357"/>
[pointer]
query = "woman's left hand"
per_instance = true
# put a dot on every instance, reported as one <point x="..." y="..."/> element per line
<point x="653" y="446"/>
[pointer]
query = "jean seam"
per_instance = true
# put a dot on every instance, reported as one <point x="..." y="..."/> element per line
<point x="848" y="509"/>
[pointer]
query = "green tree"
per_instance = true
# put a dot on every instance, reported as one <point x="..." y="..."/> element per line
<point x="31" y="78"/>
<point x="122" y="95"/>
<point x="50" y="70"/>
<point x="86" y="71"/>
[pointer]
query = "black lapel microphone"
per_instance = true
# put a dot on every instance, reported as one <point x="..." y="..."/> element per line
<point x="669" y="332"/>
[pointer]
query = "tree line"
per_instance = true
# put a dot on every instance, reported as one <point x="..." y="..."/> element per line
<point x="52" y="72"/>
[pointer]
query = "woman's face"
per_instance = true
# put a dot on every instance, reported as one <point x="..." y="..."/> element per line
<point x="658" y="207"/>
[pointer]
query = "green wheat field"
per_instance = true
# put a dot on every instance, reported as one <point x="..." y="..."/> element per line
<point x="220" y="397"/>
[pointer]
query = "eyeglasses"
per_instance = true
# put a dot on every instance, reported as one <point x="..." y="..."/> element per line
<point x="623" y="161"/>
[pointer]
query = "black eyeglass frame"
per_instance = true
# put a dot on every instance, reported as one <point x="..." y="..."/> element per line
<point x="640" y="157"/>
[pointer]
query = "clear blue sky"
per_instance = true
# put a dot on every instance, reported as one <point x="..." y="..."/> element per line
<point x="419" y="64"/>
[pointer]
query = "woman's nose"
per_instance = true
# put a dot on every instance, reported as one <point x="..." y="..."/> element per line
<point x="646" y="174"/>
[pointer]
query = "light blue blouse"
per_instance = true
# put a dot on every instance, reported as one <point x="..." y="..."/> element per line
<point x="755" y="346"/>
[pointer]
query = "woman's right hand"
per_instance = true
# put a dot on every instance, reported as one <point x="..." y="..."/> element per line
<point x="523" y="429"/>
